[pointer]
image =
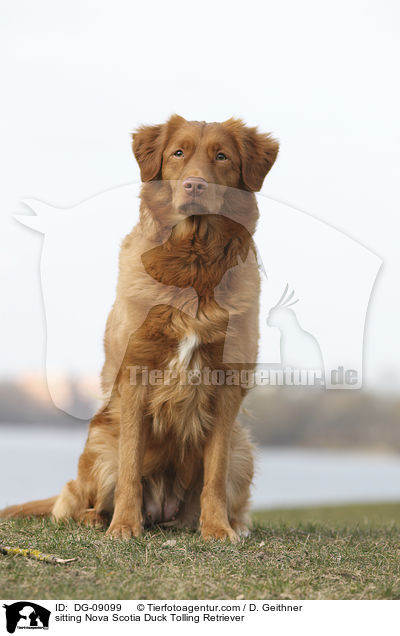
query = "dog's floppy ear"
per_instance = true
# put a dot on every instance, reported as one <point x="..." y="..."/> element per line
<point x="258" y="152"/>
<point x="148" y="144"/>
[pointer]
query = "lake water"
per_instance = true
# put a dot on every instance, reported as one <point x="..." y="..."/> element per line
<point x="36" y="462"/>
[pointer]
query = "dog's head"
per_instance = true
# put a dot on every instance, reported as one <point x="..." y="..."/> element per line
<point x="191" y="167"/>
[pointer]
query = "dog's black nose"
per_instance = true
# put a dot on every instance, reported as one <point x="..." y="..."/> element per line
<point x="195" y="186"/>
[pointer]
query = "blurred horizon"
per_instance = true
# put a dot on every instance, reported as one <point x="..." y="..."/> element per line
<point x="313" y="446"/>
<point x="310" y="417"/>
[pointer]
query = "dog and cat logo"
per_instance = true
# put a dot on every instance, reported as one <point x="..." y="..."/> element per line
<point x="26" y="615"/>
<point x="300" y="257"/>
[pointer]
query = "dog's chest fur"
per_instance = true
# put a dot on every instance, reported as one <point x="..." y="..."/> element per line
<point x="179" y="349"/>
<point x="185" y="352"/>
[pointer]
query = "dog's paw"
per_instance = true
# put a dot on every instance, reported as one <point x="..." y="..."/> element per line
<point x="125" y="531"/>
<point x="93" y="519"/>
<point x="241" y="529"/>
<point x="218" y="532"/>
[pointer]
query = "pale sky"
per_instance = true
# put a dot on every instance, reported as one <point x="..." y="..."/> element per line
<point x="77" y="77"/>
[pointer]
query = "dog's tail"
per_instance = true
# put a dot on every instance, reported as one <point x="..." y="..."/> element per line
<point x="38" y="508"/>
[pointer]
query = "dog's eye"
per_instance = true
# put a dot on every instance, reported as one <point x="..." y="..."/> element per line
<point x="178" y="153"/>
<point x="220" y="156"/>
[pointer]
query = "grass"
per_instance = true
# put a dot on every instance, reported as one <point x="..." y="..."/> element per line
<point x="349" y="552"/>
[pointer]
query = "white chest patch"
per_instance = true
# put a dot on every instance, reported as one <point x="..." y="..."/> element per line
<point x="186" y="349"/>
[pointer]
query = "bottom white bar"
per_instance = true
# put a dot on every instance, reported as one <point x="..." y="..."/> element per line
<point x="119" y="617"/>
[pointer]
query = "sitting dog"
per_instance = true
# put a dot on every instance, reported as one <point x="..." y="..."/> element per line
<point x="164" y="448"/>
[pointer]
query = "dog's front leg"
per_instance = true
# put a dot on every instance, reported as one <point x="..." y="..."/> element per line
<point x="214" y="520"/>
<point x="127" y="518"/>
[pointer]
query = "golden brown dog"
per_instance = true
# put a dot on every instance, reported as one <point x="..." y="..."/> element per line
<point x="163" y="449"/>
